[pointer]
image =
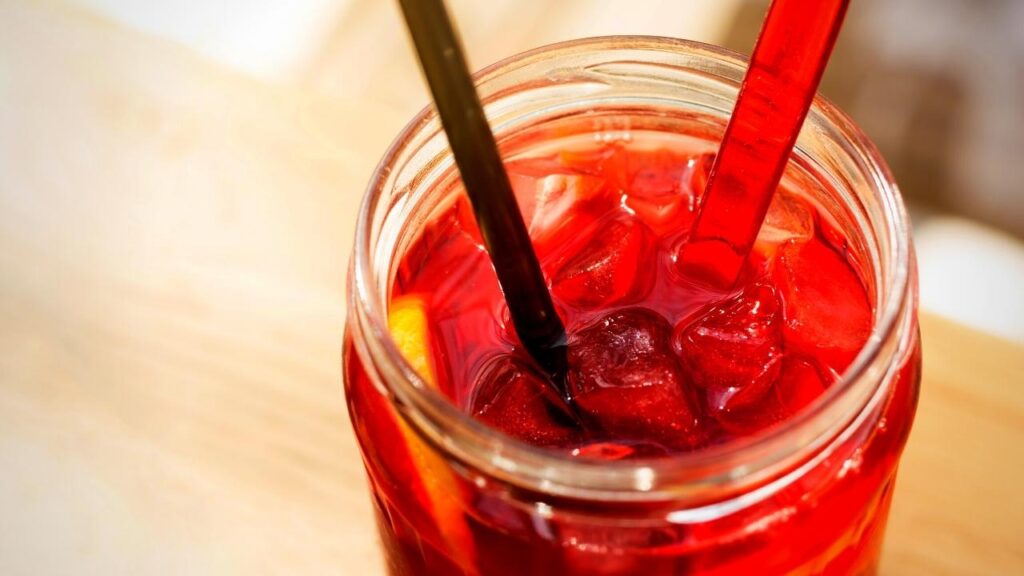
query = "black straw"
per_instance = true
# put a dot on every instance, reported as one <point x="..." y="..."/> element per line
<point x="494" y="205"/>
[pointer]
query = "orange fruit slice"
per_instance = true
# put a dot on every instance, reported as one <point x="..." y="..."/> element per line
<point x="407" y="321"/>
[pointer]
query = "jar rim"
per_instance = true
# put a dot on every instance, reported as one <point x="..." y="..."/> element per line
<point x="744" y="462"/>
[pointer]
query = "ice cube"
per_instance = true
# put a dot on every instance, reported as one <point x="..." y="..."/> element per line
<point x="658" y="172"/>
<point x="554" y="197"/>
<point x="789" y="217"/>
<point x="627" y="383"/>
<point x="752" y="418"/>
<point x="557" y="195"/>
<point x="734" y="349"/>
<point x="512" y="397"/>
<point x="657" y="191"/>
<point x="603" y="160"/>
<point x="614" y="265"/>
<point x="798" y="384"/>
<point x="825" y="307"/>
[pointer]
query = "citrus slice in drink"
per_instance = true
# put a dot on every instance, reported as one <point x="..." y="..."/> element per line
<point x="407" y="321"/>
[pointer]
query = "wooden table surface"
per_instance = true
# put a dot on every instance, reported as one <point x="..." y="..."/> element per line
<point x="173" y="240"/>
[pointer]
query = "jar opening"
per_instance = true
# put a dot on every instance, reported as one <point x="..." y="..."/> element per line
<point x="540" y="91"/>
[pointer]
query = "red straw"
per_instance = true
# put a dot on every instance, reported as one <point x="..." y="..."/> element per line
<point x="789" y="59"/>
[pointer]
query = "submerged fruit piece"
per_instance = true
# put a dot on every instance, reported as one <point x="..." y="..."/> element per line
<point x="512" y="397"/>
<point x="825" y="307"/>
<point x="407" y="322"/>
<point x="733" y="350"/>
<point x="604" y="271"/>
<point x="627" y="383"/>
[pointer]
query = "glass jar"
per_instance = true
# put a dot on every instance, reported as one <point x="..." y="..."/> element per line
<point x="809" y="496"/>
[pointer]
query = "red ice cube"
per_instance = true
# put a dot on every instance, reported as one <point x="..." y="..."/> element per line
<point x="789" y="217"/>
<point x="610" y="162"/>
<point x="751" y="418"/>
<point x="826" y="309"/>
<point x="613" y="266"/>
<point x="733" y="350"/>
<point x="512" y="397"/>
<point x="556" y="200"/>
<point x="658" y="190"/>
<point x="799" y="384"/>
<point x="627" y="383"/>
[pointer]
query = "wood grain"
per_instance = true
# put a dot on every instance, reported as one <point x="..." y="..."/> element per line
<point x="173" y="240"/>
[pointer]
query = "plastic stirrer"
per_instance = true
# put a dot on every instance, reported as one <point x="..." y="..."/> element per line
<point x="789" y="59"/>
<point x="494" y="205"/>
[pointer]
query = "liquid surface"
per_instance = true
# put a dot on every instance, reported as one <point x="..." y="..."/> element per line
<point x="661" y="361"/>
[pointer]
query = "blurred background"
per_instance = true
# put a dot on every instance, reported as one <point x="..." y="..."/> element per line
<point x="178" y="183"/>
<point x="939" y="86"/>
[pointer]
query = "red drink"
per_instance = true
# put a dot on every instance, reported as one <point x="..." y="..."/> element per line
<point x="712" y="431"/>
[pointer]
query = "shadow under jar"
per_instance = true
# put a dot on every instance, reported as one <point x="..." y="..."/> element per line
<point x="809" y="495"/>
